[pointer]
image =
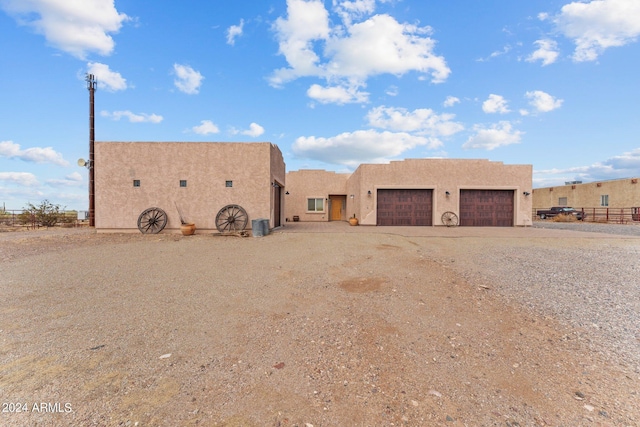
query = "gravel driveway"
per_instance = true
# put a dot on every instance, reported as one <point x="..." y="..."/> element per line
<point x="321" y="327"/>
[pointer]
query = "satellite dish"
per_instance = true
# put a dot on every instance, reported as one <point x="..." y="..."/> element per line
<point x="82" y="162"/>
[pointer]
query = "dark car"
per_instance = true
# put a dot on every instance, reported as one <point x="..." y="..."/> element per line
<point x="561" y="210"/>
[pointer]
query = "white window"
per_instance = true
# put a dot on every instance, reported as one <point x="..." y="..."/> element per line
<point x="604" y="200"/>
<point x="315" y="205"/>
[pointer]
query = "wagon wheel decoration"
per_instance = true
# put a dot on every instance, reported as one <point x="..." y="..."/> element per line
<point x="449" y="219"/>
<point x="152" y="221"/>
<point x="231" y="218"/>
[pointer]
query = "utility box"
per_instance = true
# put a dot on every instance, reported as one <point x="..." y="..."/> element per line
<point x="259" y="227"/>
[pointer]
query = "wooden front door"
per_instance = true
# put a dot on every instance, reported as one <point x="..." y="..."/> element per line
<point x="337" y="208"/>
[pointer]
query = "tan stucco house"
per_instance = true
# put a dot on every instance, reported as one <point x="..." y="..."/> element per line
<point x="198" y="178"/>
<point x="414" y="192"/>
<point x="613" y="194"/>
<point x="143" y="181"/>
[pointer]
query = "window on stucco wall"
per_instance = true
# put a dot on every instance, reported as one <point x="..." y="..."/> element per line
<point x="315" y="205"/>
<point x="604" y="200"/>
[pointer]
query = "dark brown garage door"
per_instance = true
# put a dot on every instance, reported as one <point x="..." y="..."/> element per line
<point x="486" y="208"/>
<point x="404" y="207"/>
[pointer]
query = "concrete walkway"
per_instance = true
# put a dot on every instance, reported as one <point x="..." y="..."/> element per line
<point x="442" y="231"/>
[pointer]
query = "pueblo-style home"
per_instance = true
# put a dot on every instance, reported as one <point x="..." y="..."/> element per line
<point x="414" y="192"/>
<point x="219" y="186"/>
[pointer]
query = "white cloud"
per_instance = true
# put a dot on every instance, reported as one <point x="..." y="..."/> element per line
<point x="451" y="101"/>
<point x="381" y="45"/>
<point x="350" y="10"/>
<point x="347" y="55"/>
<point x="187" y="79"/>
<point x="234" y="32"/>
<point x="9" y="149"/>
<point x="133" y="118"/>
<point x="625" y="165"/>
<point x="307" y="21"/>
<point x="498" y="135"/>
<point x="107" y="79"/>
<point x="363" y="146"/>
<point x="543" y="102"/>
<point x="392" y="90"/>
<point x="422" y="121"/>
<point x="205" y="128"/>
<point x="71" y="180"/>
<point x="76" y="27"/>
<point x="547" y="52"/>
<point x="21" y="178"/>
<point x="495" y="104"/>
<point x="337" y="94"/>
<point x="255" y="130"/>
<point x="498" y="53"/>
<point x="598" y="25"/>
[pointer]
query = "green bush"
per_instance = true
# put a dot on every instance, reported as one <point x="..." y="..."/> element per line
<point x="46" y="214"/>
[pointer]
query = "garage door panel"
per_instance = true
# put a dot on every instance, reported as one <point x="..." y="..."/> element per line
<point x="487" y="208"/>
<point x="404" y="207"/>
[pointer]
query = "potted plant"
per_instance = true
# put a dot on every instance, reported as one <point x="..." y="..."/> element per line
<point x="353" y="220"/>
<point x="186" y="228"/>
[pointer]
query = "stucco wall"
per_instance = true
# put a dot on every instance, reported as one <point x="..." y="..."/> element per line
<point x="442" y="175"/>
<point x="311" y="183"/>
<point x="252" y="167"/>
<point x="439" y="175"/>
<point x="623" y="193"/>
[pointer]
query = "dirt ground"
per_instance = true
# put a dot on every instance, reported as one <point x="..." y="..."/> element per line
<point x="292" y="329"/>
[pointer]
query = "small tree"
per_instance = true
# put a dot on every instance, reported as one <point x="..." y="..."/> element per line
<point x="46" y="214"/>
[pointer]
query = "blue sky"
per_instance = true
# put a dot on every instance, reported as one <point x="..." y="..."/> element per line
<point x="333" y="83"/>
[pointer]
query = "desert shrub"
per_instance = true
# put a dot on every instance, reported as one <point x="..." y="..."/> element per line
<point x="564" y="218"/>
<point x="27" y="218"/>
<point x="69" y="217"/>
<point x="45" y="214"/>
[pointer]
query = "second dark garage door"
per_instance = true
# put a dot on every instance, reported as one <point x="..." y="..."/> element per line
<point x="404" y="207"/>
<point x="486" y="208"/>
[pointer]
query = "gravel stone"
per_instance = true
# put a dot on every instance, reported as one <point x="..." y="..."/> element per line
<point x="332" y="326"/>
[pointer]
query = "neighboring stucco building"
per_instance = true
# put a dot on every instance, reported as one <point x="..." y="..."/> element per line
<point x="615" y="194"/>
<point x="414" y="192"/>
<point x="199" y="177"/>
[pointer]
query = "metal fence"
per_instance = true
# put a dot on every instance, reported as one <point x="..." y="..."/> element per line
<point x="18" y="218"/>
<point x="606" y="215"/>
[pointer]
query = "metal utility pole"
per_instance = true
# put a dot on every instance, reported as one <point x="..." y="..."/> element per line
<point x="92" y="85"/>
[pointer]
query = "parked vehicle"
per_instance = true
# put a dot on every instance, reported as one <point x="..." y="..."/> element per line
<point x="561" y="210"/>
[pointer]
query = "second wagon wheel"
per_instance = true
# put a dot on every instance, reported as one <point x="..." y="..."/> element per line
<point x="449" y="219"/>
<point x="152" y="221"/>
<point x="231" y="218"/>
